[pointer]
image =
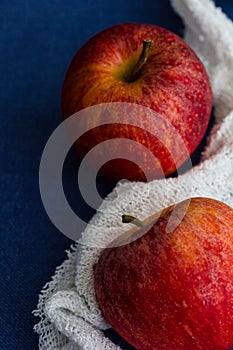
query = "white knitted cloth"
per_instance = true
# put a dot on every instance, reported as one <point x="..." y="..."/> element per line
<point x="69" y="315"/>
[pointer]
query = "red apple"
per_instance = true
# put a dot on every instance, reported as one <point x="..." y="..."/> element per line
<point x="173" y="290"/>
<point x="151" y="67"/>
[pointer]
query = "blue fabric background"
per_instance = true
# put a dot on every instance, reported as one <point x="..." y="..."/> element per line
<point x="38" y="40"/>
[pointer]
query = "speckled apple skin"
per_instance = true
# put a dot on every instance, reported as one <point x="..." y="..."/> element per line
<point x="173" y="83"/>
<point x="173" y="290"/>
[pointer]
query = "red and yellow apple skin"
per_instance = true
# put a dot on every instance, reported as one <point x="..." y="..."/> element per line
<point x="172" y="82"/>
<point x="173" y="290"/>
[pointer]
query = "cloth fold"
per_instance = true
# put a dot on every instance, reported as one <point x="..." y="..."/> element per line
<point x="69" y="315"/>
<point x="209" y="32"/>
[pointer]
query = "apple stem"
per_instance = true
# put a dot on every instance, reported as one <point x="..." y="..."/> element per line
<point x="127" y="219"/>
<point x="141" y="61"/>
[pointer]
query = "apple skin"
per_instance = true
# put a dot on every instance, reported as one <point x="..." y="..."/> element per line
<point x="173" y="290"/>
<point x="172" y="82"/>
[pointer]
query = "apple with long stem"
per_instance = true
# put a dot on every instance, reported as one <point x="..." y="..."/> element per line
<point x="151" y="67"/>
<point x="172" y="289"/>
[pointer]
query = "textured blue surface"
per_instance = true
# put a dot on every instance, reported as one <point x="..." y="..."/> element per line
<point x="38" y="39"/>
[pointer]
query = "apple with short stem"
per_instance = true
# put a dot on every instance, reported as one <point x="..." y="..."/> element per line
<point x="172" y="290"/>
<point x="151" y="67"/>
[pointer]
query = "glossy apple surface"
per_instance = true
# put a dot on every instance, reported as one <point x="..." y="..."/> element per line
<point x="173" y="290"/>
<point x="171" y="81"/>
